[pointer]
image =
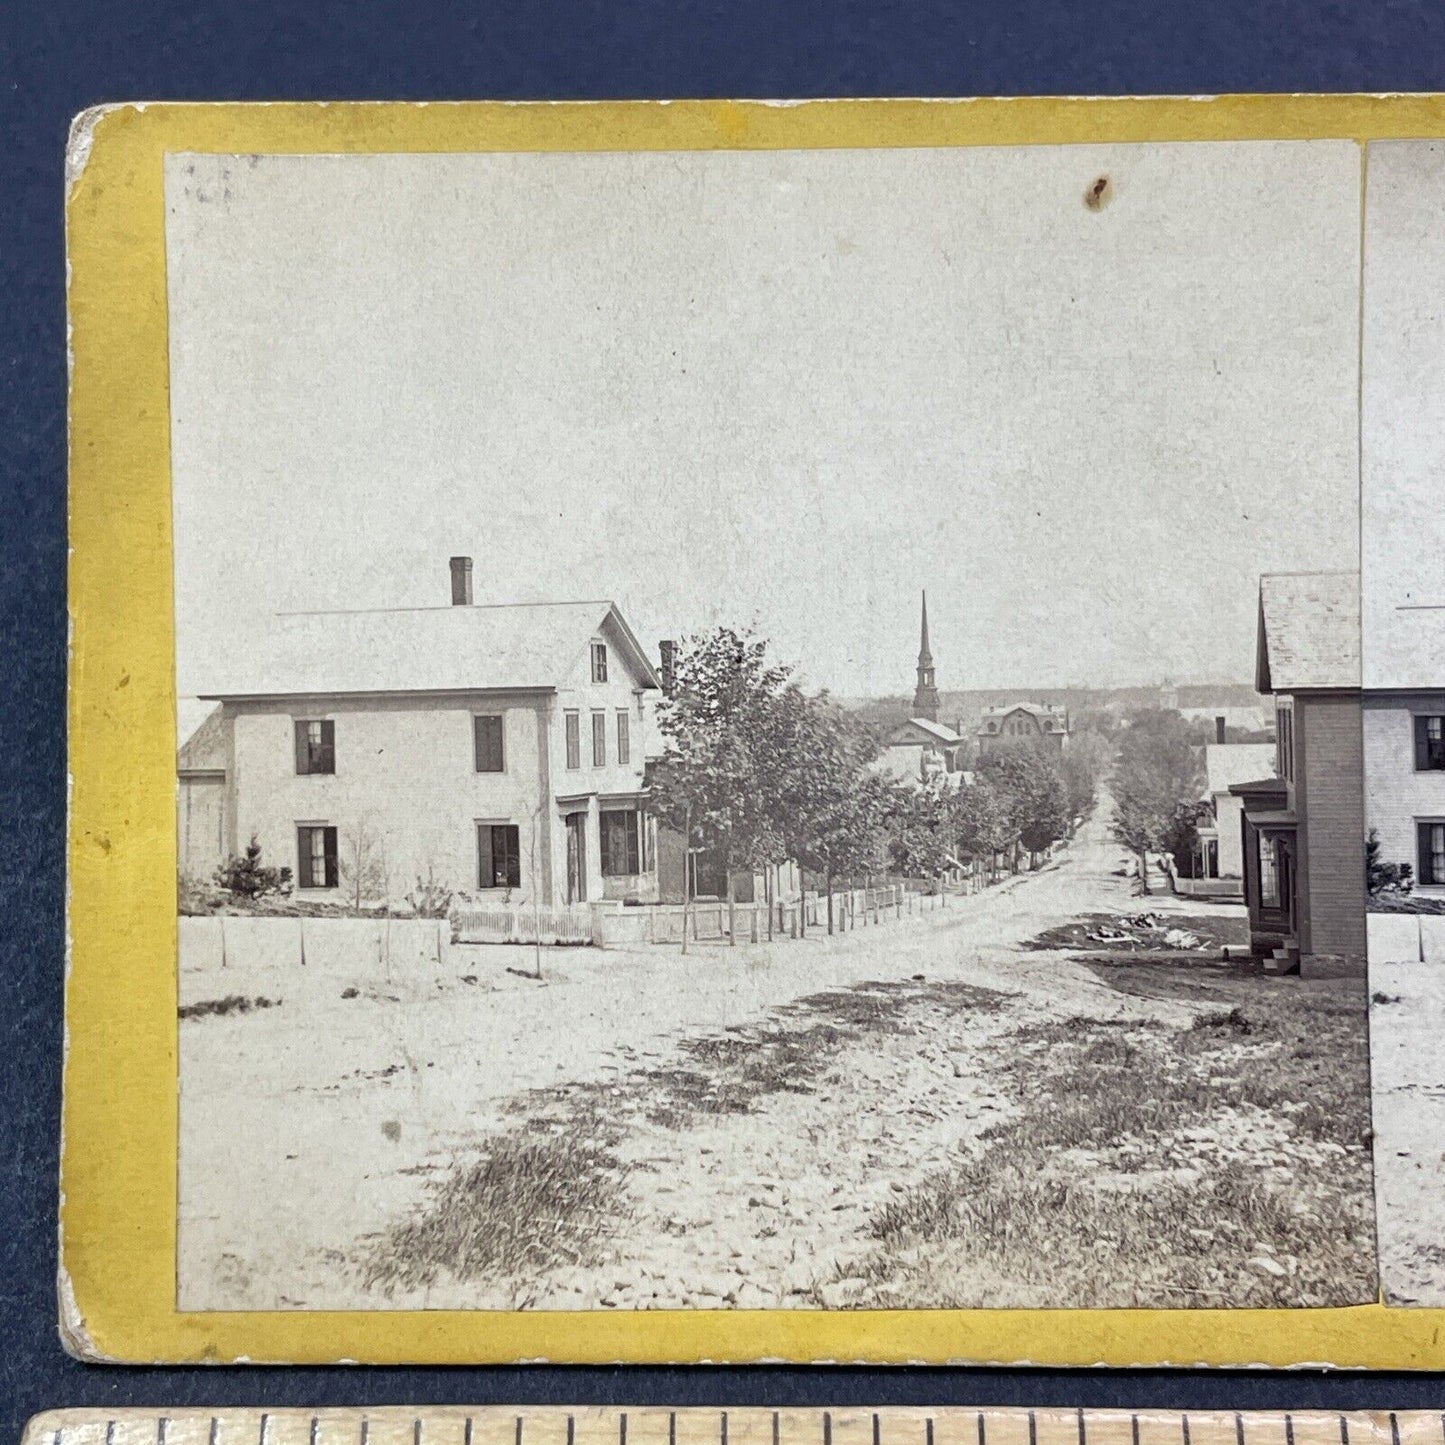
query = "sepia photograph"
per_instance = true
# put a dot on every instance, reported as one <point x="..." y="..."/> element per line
<point x="785" y="730"/>
<point x="1403" y="601"/>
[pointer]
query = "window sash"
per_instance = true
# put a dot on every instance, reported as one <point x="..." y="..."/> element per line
<point x="315" y="746"/>
<point x="489" y="743"/>
<point x="1268" y="873"/>
<point x="621" y="840"/>
<point x="599" y="739"/>
<point x="316" y="856"/>
<point x="1429" y="743"/>
<point x="599" y="662"/>
<point x="574" y="740"/>
<point x="499" y="856"/>
<point x="624" y="739"/>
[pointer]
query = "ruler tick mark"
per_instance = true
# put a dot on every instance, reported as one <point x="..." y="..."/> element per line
<point x="261" y="1433"/>
<point x="467" y="1432"/>
<point x="671" y="1429"/>
<point x="1081" y="1428"/>
<point x="416" y="1431"/>
<point x="315" y="1434"/>
<point x="1289" y="1429"/>
<point x="215" y="1430"/>
<point x="1134" y="1429"/>
<point x="827" y="1427"/>
<point x="519" y="1430"/>
<point x="875" y="1428"/>
<point x="622" y="1428"/>
<point x="1033" y="1429"/>
<point x="775" y="1427"/>
<point x="723" y="1428"/>
<point x="1239" y="1430"/>
<point x="571" y="1430"/>
<point x="1394" y="1428"/>
<point x="1184" y="1425"/>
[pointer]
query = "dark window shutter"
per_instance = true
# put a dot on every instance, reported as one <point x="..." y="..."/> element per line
<point x="303" y="856"/>
<point x="303" y="753"/>
<point x="328" y="747"/>
<point x="1425" y="872"/>
<point x="332" y="871"/>
<point x="484" y="857"/>
<point x="1422" y="744"/>
<point x="511" y="842"/>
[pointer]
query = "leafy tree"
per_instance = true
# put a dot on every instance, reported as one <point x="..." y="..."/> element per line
<point x="985" y="821"/>
<point x="830" y="810"/>
<point x="924" y="827"/>
<point x="1157" y="773"/>
<point x="1181" y="840"/>
<point x="719" y="721"/>
<point x="245" y="877"/>
<point x="1031" y="784"/>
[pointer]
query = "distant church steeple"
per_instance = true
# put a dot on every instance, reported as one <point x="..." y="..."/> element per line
<point x="925" y="698"/>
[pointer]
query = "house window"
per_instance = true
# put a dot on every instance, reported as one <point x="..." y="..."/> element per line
<point x="1431" y="836"/>
<point x="624" y="740"/>
<point x="599" y="739"/>
<point x="499" y="856"/>
<point x="1429" y="744"/>
<point x="621" y="842"/>
<point x="1284" y="742"/>
<point x="1268" y="873"/>
<point x="315" y="747"/>
<point x="316" y="856"/>
<point x="599" y="662"/>
<point x="574" y="740"/>
<point x="487" y="741"/>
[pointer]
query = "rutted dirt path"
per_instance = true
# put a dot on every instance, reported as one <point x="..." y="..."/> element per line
<point x="382" y="1096"/>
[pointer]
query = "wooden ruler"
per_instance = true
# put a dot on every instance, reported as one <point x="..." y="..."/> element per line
<point x="529" y="1425"/>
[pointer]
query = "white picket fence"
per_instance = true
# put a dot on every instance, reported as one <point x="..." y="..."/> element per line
<point x="544" y="923"/>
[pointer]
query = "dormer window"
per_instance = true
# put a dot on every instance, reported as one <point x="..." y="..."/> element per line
<point x="599" y="662"/>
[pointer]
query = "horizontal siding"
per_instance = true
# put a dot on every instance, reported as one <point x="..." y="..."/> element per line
<point x="1331" y="800"/>
<point x="1395" y="794"/>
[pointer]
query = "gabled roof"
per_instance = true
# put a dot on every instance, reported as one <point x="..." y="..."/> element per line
<point x="937" y="731"/>
<point x="1226" y="764"/>
<point x="1050" y="718"/>
<point x="519" y="646"/>
<point x="1309" y="631"/>
<point x="204" y="751"/>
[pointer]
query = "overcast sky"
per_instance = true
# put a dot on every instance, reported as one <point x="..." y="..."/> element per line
<point x="1404" y="416"/>
<point x="784" y="388"/>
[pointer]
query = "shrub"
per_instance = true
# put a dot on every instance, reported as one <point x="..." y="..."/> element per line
<point x="1382" y="877"/>
<point x="244" y="876"/>
<point x="430" y="899"/>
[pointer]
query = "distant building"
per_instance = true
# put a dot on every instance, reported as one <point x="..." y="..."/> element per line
<point x="921" y="749"/>
<point x="1012" y="723"/>
<point x="1302" y="833"/>
<point x="496" y="748"/>
<point x="1221" y="834"/>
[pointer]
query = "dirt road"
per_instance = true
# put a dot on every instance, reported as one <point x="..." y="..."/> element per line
<point x="721" y="1129"/>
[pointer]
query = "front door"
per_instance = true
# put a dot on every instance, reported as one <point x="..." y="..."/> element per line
<point x="576" y="857"/>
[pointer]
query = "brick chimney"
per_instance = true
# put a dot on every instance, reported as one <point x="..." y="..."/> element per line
<point x="667" y="649"/>
<point x="461" y="581"/>
<point x="1219" y="729"/>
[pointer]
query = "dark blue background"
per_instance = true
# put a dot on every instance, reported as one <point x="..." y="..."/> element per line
<point x="57" y="58"/>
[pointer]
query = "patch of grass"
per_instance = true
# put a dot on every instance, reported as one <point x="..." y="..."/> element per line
<point x="234" y="1003"/>
<point x="736" y="1072"/>
<point x="531" y="1203"/>
<point x="1223" y="1161"/>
